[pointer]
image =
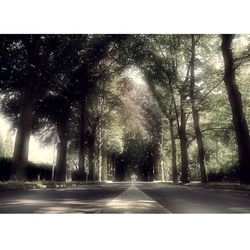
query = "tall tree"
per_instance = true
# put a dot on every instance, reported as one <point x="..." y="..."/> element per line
<point x="24" y="72"/>
<point x="28" y="98"/>
<point x="239" y="119"/>
<point x="56" y="105"/>
<point x="195" y="113"/>
<point x="97" y="63"/>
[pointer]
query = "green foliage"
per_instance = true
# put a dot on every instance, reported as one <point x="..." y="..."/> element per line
<point x="128" y="121"/>
<point x="227" y="173"/>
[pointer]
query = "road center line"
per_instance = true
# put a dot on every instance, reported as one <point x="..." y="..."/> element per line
<point x="133" y="200"/>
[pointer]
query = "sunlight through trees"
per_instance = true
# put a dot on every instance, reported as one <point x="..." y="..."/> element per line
<point x="146" y="107"/>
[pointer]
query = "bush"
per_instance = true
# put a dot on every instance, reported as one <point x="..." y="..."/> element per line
<point x="78" y="175"/>
<point x="5" y="167"/>
<point x="231" y="173"/>
<point x="33" y="170"/>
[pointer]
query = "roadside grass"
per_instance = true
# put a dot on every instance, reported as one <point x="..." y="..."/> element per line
<point x="234" y="185"/>
<point x="17" y="185"/>
<point x="219" y="185"/>
<point x="21" y="185"/>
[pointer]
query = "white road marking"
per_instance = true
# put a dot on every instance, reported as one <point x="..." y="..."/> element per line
<point x="133" y="200"/>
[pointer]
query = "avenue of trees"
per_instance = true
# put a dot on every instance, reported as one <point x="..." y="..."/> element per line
<point x="187" y="121"/>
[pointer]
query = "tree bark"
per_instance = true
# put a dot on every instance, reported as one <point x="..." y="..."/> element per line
<point x="21" y="149"/>
<point x="173" y="151"/>
<point x="183" y="143"/>
<point x="82" y="128"/>
<point x="108" y="167"/>
<point x="113" y="167"/>
<point x="104" y="165"/>
<point x="195" y="113"/>
<point x="99" y="153"/>
<point x="157" y="162"/>
<point x="62" y="130"/>
<point x="29" y="97"/>
<point x="239" y="120"/>
<point x="162" y="172"/>
<point x="92" y="154"/>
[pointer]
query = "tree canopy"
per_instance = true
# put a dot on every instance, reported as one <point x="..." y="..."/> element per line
<point x="159" y="107"/>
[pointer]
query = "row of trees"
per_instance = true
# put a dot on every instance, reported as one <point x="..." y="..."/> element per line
<point x="74" y="86"/>
<point x="49" y="84"/>
<point x="183" y="72"/>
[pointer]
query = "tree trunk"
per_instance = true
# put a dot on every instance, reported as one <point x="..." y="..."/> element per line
<point x="239" y="120"/>
<point x="28" y="98"/>
<point x="200" y="145"/>
<point x="108" y="167"/>
<point x="157" y="162"/>
<point x="92" y="154"/>
<point x="173" y="149"/>
<point x="82" y="129"/>
<point x="21" y="149"/>
<point x="183" y="143"/>
<point x="162" y="172"/>
<point x="99" y="153"/>
<point x="62" y="130"/>
<point x="113" y="167"/>
<point x="195" y="113"/>
<point x="104" y="165"/>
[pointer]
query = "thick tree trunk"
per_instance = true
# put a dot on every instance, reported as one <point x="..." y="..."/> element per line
<point x="195" y="113"/>
<point x="28" y="98"/>
<point x="183" y="144"/>
<point x="239" y="120"/>
<point x="62" y="130"/>
<point x="21" y="149"/>
<point x="173" y="149"/>
<point x="82" y="130"/>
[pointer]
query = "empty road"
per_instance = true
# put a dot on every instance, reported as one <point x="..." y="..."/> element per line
<point x="126" y="198"/>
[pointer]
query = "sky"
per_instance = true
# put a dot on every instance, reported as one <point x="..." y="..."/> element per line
<point x="135" y="74"/>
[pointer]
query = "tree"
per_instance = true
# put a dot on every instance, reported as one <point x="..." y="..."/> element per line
<point x="100" y="61"/>
<point x="196" y="118"/>
<point x="24" y="69"/>
<point x="162" y="68"/>
<point x="239" y="120"/>
<point x="74" y="85"/>
<point x="54" y="106"/>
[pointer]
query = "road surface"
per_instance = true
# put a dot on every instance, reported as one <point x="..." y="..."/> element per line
<point x="126" y="198"/>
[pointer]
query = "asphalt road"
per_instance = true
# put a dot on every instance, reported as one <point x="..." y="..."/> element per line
<point x="85" y="199"/>
<point x="126" y="198"/>
<point x="184" y="199"/>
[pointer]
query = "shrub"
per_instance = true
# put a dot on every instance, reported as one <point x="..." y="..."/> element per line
<point x="78" y="175"/>
<point x="230" y="173"/>
<point x="5" y="167"/>
<point x="33" y="170"/>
